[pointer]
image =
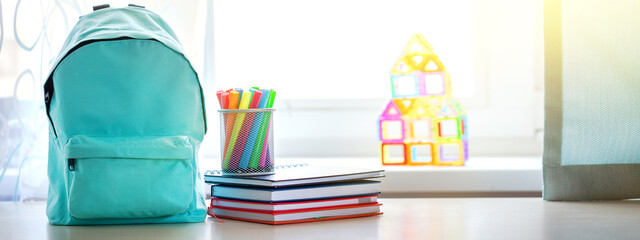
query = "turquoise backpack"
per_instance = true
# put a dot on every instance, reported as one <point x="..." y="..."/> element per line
<point x="126" y="114"/>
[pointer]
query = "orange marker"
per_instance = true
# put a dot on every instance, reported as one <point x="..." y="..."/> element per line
<point x="230" y="120"/>
<point x="233" y="99"/>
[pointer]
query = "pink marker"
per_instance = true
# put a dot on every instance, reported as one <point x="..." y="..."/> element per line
<point x="255" y="98"/>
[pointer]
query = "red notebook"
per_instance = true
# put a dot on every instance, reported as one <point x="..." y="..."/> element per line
<point x="297" y="215"/>
<point x="231" y="203"/>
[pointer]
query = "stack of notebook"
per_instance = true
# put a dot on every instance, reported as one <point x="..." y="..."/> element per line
<point x="296" y="193"/>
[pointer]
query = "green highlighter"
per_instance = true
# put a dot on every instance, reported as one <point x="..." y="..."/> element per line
<point x="272" y="97"/>
<point x="257" y="149"/>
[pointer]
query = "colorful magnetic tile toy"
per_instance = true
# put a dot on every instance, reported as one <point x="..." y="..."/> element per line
<point x="423" y="124"/>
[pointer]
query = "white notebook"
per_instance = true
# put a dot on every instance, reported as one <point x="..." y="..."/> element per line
<point x="296" y="174"/>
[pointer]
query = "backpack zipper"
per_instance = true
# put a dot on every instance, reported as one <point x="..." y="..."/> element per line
<point x="72" y="164"/>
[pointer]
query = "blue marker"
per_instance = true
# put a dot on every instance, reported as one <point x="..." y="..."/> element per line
<point x="264" y="99"/>
<point x="245" y="160"/>
<point x="239" y="94"/>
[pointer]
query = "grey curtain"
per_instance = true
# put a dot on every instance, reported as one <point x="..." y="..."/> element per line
<point x="592" y="100"/>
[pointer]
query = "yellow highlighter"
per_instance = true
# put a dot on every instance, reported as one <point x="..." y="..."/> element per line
<point x="244" y="104"/>
<point x="245" y="100"/>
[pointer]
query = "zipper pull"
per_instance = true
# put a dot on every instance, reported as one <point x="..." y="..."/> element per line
<point x="72" y="164"/>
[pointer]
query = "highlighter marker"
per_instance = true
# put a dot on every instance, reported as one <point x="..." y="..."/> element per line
<point x="234" y="151"/>
<point x="264" y="99"/>
<point x="224" y="102"/>
<point x="272" y="98"/>
<point x="244" y="101"/>
<point x="265" y="159"/>
<point x="251" y="90"/>
<point x="233" y="99"/>
<point x="258" y="155"/>
<point x="219" y="95"/>
<point x="260" y="122"/>
<point x="240" y="91"/>
<point x="255" y="98"/>
<point x="229" y="125"/>
<point x="252" y="124"/>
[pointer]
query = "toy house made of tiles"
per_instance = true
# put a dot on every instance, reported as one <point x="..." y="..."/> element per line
<point x="422" y="124"/>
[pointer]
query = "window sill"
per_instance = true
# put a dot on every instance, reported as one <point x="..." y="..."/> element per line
<point x="480" y="177"/>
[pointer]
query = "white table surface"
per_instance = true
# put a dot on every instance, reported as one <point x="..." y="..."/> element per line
<point x="417" y="218"/>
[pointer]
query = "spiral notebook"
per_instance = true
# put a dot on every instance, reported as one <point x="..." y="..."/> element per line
<point x="295" y="175"/>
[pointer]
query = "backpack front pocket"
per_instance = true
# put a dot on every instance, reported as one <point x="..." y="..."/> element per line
<point x="129" y="177"/>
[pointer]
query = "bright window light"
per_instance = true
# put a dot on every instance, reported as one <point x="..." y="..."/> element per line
<point x="421" y="129"/>
<point x="421" y="153"/>
<point x="405" y="85"/>
<point x="434" y="84"/>
<point x="448" y="128"/>
<point x="335" y="49"/>
<point x="392" y="129"/>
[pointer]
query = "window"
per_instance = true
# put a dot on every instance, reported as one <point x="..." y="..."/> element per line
<point x="331" y="62"/>
<point x="308" y="49"/>
<point x="31" y="35"/>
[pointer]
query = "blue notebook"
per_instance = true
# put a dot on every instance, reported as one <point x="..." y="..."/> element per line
<point x="305" y="193"/>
